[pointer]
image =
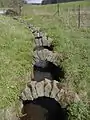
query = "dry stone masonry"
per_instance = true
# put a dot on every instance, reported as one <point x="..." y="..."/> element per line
<point x="46" y="88"/>
<point x="42" y="82"/>
<point x="46" y="75"/>
<point x="45" y="80"/>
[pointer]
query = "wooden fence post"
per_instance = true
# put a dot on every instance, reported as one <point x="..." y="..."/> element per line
<point x="58" y="8"/>
<point x="79" y="16"/>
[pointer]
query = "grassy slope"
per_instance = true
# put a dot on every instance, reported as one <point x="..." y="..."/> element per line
<point x="15" y="59"/>
<point x="4" y="3"/>
<point x="69" y="40"/>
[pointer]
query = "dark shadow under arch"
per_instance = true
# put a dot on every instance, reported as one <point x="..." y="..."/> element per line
<point x="50" y="48"/>
<point x="43" y="108"/>
<point x="46" y="69"/>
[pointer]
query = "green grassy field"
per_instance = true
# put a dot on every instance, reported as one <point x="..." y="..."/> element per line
<point x="15" y="59"/>
<point x="69" y="40"/>
<point x="16" y="44"/>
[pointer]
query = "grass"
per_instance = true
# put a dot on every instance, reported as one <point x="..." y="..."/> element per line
<point x="4" y="3"/>
<point x="15" y="59"/>
<point x="16" y="52"/>
<point x="74" y="42"/>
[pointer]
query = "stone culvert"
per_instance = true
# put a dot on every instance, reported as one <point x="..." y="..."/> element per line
<point x="40" y="99"/>
<point x="43" y="97"/>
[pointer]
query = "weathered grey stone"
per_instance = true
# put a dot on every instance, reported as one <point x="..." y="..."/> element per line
<point x="36" y="61"/>
<point x="37" y="35"/>
<point x="35" y="54"/>
<point x="52" y="58"/>
<point x="55" y="89"/>
<point x="36" y="42"/>
<point x="41" y="63"/>
<point x="38" y="55"/>
<point x="22" y="96"/>
<point x="47" y="88"/>
<point x="40" y="42"/>
<point x="20" y="106"/>
<point x="56" y="58"/>
<point x="40" y="88"/>
<point x="41" y="55"/>
<point x="49" y="57"/>
<point x="44" y="42"/>
<point x="27" y="93"/>
<point x="46" y="55"/>
<point x="45" y="38"/>
<point x="32" y="86"/>
<point x="59" y="95"/>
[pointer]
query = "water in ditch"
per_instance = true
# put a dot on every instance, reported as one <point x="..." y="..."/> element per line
<point x="43" y="108"/>
<point x="45" y="69"/>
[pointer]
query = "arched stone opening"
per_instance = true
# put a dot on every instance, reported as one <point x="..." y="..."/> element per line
<point x="46" y="69"/>
<point x="43" y="108"/>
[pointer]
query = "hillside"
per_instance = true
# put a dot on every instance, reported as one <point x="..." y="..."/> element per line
<point x="15" y="59"/>
<point x="70" y="41"/>
<point x="59" y="1"/>
<point x="8" y="3"/>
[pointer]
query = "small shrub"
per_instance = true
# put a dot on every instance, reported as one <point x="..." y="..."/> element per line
<point x="11" y="12"/>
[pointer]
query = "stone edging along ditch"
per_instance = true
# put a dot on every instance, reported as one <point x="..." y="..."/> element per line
<point x="46" y="74"/>
<point x="45" y="79"/>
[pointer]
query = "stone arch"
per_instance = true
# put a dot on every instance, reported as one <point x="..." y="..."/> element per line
<point x="45" y="65"/>
<point x="46" y="88"/>
<point x="42" y="96"/>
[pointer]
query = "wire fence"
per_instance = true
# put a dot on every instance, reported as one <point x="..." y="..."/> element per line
<point x="75" y="16"/>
